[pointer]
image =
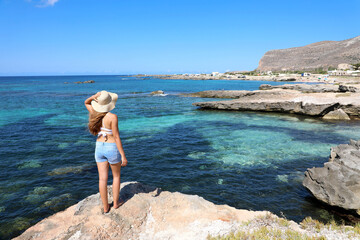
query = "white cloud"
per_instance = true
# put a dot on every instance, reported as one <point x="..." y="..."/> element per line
<point x="51" y="2"/>
<point x="47" y="3"/>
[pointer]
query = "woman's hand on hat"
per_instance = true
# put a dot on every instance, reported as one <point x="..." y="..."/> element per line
<point x="97" y="94"/>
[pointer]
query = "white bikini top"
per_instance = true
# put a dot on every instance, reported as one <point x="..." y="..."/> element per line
<point x="104" y="131"/>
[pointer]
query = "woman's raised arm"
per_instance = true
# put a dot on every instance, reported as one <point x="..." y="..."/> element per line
<point x="88" y="102"/>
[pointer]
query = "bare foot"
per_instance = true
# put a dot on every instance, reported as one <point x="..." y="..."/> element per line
<point x="116" y="206"/>
<point x="107" y="210"/>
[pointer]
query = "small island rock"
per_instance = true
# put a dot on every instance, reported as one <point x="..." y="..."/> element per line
<point x="89" y="81"/>
<point x="158" y="92"/>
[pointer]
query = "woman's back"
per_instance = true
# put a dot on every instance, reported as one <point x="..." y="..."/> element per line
<point x="106" y="134"/>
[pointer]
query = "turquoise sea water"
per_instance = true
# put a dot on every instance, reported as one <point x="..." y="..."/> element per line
<point x="247" y="160"/>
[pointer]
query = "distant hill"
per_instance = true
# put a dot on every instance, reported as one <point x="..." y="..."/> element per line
<point x="323" y="54"/>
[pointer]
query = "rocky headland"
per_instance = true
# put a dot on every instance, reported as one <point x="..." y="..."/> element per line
<point x="150" y="213"/>
<point x="323" y="100"/>
<point x="338" y="182"/>
<point x="323" y="54"/>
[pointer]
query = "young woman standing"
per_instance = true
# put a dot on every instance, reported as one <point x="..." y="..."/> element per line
<point x="109" y="149"/>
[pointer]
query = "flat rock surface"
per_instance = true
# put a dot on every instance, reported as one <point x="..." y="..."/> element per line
<point x="306" y="88"/>
<point x="220" y="94"/>
<point x="289" y="101"/>
<point x="148" y="213"/>
<point x="338" y="182"/>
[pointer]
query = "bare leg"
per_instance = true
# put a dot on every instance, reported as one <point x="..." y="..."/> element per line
<point x="103" y="168"/>
<point x="115" y="168"/>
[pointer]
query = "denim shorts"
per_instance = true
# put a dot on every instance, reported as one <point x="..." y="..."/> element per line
<point x="107" y="152"/>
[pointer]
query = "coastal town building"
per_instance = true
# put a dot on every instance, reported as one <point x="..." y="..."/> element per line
<point x="355" y="73"/>
<point x="214" y="74"/>
<point x="338" y="72"/>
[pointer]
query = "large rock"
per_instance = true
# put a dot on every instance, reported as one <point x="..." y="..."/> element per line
<point x="338" y="182"/>
<point x="148" y="213"/>
<point x="310" y="57"/>
<point x="313" y="109"/>
<point x="337" y="114"/>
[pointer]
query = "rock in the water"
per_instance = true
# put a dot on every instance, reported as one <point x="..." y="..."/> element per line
<point x="157" y="92"/>
<point x="277" y="105"/>
<point x="338" y="182"/>
<point x="148" y="213"/>
<point x="338" y="114"/>
<point x="306" y="100"/>
<point x="89" y="81"/>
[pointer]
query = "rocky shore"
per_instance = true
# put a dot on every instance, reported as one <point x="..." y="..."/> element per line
<point x="149" y="213"/>
<point x="274" y="78"/>
<point x="325" y="100"/>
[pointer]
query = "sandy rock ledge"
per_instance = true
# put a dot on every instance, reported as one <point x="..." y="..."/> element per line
<point x="148" y="213"/>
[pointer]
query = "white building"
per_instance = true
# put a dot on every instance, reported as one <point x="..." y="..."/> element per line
<point x="353" y="73"/>
<point x="337" y="73"/>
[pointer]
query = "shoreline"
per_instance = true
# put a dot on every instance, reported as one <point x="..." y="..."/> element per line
<point x="327" y="101"/>
<point x="316" y="78"/>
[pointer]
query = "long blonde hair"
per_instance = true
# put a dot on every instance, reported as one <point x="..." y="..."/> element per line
<point x="95" y="121"/>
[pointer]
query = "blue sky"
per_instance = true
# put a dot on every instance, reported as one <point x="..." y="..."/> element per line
<point x="64" y="37"/>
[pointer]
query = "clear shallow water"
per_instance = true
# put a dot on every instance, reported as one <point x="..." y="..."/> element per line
<point x="244" y="159"/>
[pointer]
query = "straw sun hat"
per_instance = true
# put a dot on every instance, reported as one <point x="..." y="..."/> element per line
<point x="105" y="102"/>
